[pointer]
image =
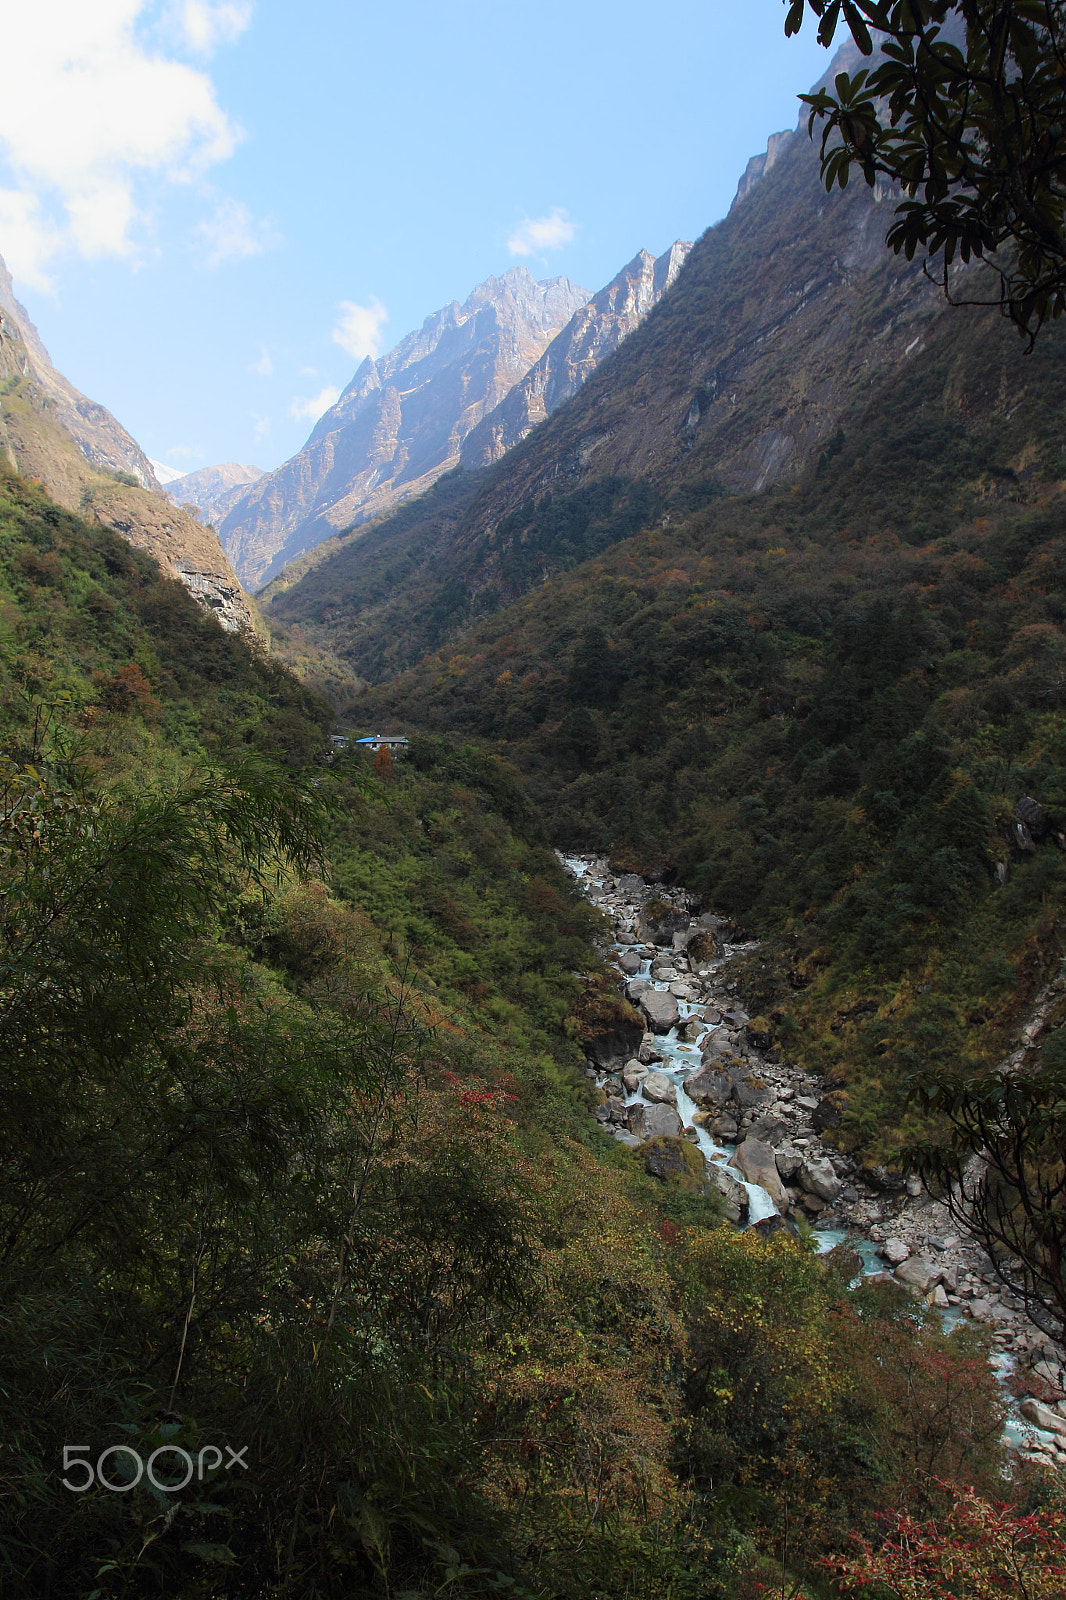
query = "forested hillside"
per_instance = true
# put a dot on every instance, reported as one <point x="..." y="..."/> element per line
<point x="819" y="706"/>
<point x="298" y="1176"/>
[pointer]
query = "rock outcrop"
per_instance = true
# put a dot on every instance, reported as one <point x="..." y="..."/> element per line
<point x="87" y="463"/>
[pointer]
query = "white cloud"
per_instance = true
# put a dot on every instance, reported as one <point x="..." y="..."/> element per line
<point x="358" y="328"/>
<point x="88" y="116"/>
<point x="264" y="367"/>
<point x="535" y="234"/>
<point x="233" y="233"/>
<point x="206" y="26"/>
<point x="310" y="410"/>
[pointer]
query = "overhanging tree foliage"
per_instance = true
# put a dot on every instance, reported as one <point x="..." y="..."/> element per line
<point x="973" y="133"/>
<point x="1001" y="1169"/>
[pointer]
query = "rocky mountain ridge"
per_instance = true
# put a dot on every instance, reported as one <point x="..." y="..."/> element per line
<point x="214" y="491"/>
<point x="87" y="462"/>
<point x="591" y="334"/>
<point x="401" y="421"/>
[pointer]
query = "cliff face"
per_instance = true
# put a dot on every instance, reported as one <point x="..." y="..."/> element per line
<point x="573" y="355"/>
<point x="400" y="423"/>
<point x="101" y="439"/>
<point x="74" y="448"/>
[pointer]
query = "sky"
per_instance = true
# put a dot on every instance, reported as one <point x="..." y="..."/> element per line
<point x="215" y="209"/>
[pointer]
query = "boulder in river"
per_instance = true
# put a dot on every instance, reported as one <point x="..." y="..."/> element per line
<point x="733" y="1193"/>
<point x="659" y="921"/>
<point x="918" y="1273"/>
<point x="658" y="1088"/>
<point x="629" y="962"/>
<point x="788" y="1161"/>
<point x="653" y="1122"/>
<point x="756" y="1162"/>
<point x="818" y="1178"/>
<point x="661" y="1010"/>
<point x="709" y="1088"/>
<point x="631" y="887"/>
<point x="636" y="987"/>
<point x="768" y="1226"/>
<point x="1041" y="1417"/>
<point x="895" y="1252"/>
<point x="633" y="1074"/>
<point x="668" y="1157"/>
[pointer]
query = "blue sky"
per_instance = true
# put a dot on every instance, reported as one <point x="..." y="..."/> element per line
<point x="214" y="208"/>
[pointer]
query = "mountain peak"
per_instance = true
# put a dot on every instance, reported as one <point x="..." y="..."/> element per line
<point x="401" y="420"/>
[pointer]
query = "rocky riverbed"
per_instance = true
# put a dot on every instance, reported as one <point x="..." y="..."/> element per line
<point x="703" y="1088"/>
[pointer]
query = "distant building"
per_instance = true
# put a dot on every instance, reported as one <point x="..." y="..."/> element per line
<point x="394" y="743"/>
<point x="339" y="741"/>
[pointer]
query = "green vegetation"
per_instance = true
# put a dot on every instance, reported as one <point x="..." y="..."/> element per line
<point x="819" y="706"/>
<point x="297" y="1163"/>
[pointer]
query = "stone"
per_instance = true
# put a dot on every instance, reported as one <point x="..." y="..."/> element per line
<point x="788" y="1162"/>
<point x="806" y="1102"/>
<point x="636" y="987"/>
<point x="768" y="1226"/>
<point x="756" y="1162"/>
<point x="733" y="1193"/>
<point x="914" y="1185"/>
<point x="692" y="1031"/>
<point x="661" y="1011"/>
<point x="654" y="1121"/>
<point x="709" y="1087"/>
<point x="1042" y="1417"/>
<point x="895" y="1252"/>
<point x="630" y="1140"/>
<point x="648" y="1053"/>
<point x="939" y="1298"/>
<point x="658" y="1088"/>
<point x="818" y="1178"/>
<point x="659" y="921"/>
<point x="769" y="1130"/>
<point x="1050" y="1374"/>
<point x="828" y="1112"/>
<point x="918" y="1272"/>
<point x="669" y="1157"/>
<point x="812" y="1204"/>
<point x="631" y="887"/>
<point x="629" y="962"/>
<point x="633" y="1075"/>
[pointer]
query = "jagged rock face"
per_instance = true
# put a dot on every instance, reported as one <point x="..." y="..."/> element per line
<point x="400" y="423"/>
<point x="73" y="448"/>
<point x="101" y="439"/>
<point x="214" y="491"/>
<point x="591" y="334"/>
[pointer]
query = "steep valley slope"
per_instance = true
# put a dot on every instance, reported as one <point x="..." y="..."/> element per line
<point x="775" y="602"/>
<point x="782" y="320"/>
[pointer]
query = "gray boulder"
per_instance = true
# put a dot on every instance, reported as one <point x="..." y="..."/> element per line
<point x="788" y="1162"/>
<point x="629" y="962"/>
<point x="659" y="921"/>
<point x="637" y="987"/>
<point x="756" y="1162"/>
<point x="895" y="1252"/>
<point x="631" y="887"/>
<point x="818" y="1178"/>
<point x="661" y="1011"/>
<point x="633" y="1075"/>
<point x="919" y="1273"/>
<point x="709" y="1088"/>
<point x="734" y="1195"/>
<point x="1041" y="1417"/>
<point x="658" y="1088"/>
<point x="653" y="1122"/>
